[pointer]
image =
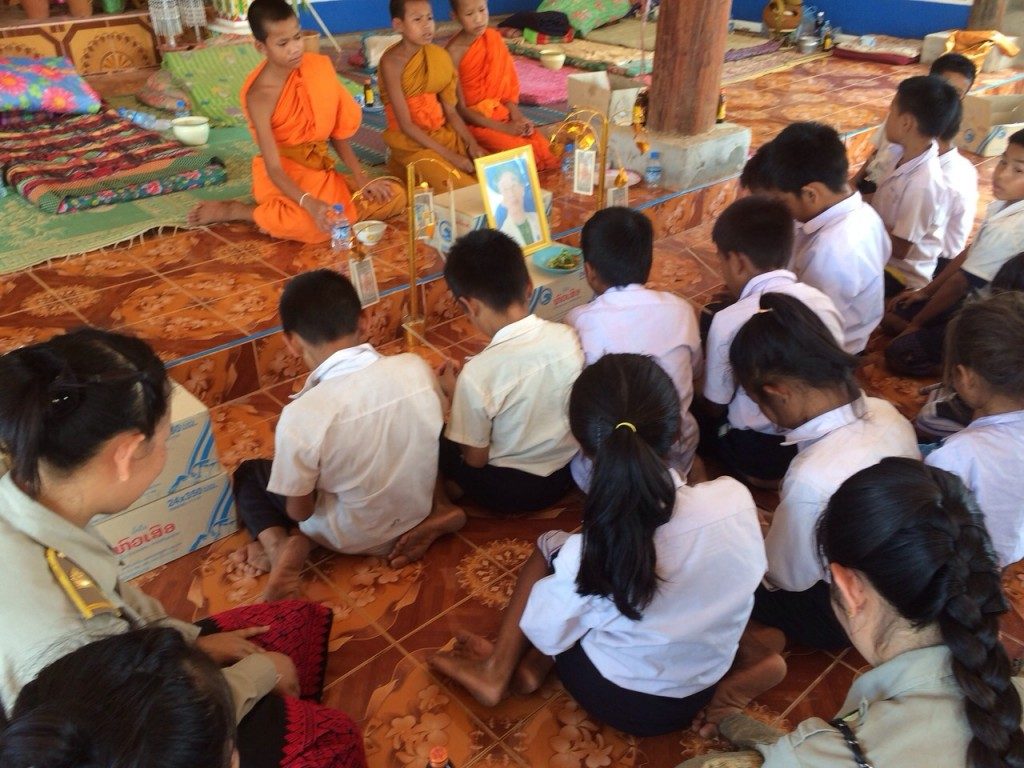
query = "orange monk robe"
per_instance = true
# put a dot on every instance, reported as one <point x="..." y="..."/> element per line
<point x="312" y="109"/>
<point x="489" y="81"/>
<point x="428" y="80"/>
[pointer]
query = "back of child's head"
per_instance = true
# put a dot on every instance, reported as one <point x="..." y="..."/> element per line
<point x="956" y="64"/>
<point x="618" y="244"/>
<point x="1010" y="276"/>
<point x="62" y="399"/>
<point x="804" y="153"/>
<point x="930" y="100"/>
<point x="786" y="340"/>
<point x="752" y="177"/>
<point x="144" y="698"/>
<point x="987" y="337"/>
<point x="759" y="227"/>
<point x="956" y="116"/>
<point x="487" y="265"/>
<point x="263" y="12"/>
<point x="319" y="306"/>
<point x="624" y="412"/>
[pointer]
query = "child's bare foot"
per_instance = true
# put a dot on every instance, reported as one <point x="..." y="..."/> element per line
<point x="250" y="560"/>
<point x="531" y="672"/>
<point x="477" y="675"/>
<point x="213" y="211"/>
<point x="737" y="689"/>
<point x="413" y="544"/>
<point x="286" y="574"/>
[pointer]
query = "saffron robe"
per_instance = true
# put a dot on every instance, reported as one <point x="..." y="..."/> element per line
<point x="489" y="81"/>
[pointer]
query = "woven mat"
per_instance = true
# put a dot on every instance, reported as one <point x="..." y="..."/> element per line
<point x="626" y="33"/>
<point x="32" y="237"/>
<point x="748" y="69"/>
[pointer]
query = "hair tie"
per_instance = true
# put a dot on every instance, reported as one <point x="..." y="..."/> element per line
<point x="627" y="425"/>
<point x="765" y="309"/>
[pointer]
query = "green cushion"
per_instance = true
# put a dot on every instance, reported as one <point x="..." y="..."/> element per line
<point x="586" y="15"/>
<point x="212" y="77"/>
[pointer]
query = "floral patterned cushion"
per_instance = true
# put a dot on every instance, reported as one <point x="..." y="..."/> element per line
<point x="586" y="15"/>
<point x="48" y="84"/>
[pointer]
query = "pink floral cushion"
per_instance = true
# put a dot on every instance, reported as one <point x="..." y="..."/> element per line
<point x="48" y="84"/>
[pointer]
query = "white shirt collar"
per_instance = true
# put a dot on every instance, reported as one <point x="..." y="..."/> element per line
<point x="1010" y="417"/>
<point x="1000" y="208"/>
<point x="754" y="284"/>
<point x="948" y="158"/>
<point x="826" y="423"/>
<point x="837" y="211"/>
<point x="925" y="157"/>
<point x="341" y="363"/>
<point x="512" y="330"/>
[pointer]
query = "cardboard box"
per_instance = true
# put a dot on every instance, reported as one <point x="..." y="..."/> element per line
<point x="934" y="45"/>
<point x="191" y="455"/>
<point x="152" y="534"/>
<point x="611" y="95"/>
<point x="988" y="123"/>
<point x="555" y="294"/>
<point x="469" y="214"/>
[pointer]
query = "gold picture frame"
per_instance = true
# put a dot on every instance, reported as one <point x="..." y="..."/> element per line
<point x="501" y="176"/>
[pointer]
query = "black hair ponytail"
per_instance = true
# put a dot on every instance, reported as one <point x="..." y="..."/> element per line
<point x="624" y="411"/>
<point x="139" y="699"/>
<point x="917" y="535"/>
<point x="62" y="399"/>
<point x="787" y="340"/>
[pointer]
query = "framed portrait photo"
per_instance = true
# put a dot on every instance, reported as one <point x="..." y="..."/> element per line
<point x="512" y="197"/>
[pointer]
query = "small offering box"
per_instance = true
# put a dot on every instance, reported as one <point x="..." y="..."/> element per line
<point x="554" y="294"/>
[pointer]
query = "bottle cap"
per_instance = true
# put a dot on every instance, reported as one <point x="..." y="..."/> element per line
<point x="569" y="146"/>
<point x="338" y="207"/>
<point x="655" y="154"/>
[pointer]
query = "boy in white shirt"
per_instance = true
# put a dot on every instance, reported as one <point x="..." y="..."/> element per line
<point x="841" y="246"/>
<point x="919" y="318"/>
<point x="754" y="237"/>
<point x="913" y="199"/>
<point x="355" y="452"/>
<point x="618" y="246"/>
<point x="507" y="445"/>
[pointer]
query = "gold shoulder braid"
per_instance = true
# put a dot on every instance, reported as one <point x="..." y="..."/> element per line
<point x="79" y="586"/>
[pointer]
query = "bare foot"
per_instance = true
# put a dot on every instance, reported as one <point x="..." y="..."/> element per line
<point x="738" y="688"/>
<point x="250" y="560"/>
<point x="413" y="544"/>
<point x="212" y="211"/>
<point x="531" y="672"/>
<point x="286" y="574"/>
<point x="477" y="675"/>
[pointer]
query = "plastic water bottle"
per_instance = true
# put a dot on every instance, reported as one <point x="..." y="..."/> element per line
<point x="181" y="110"/>
<point x="568" y="159"/>
<point x="145" y="119"/>
<point x="652" y="174"/>
<point x="341" y="229"/>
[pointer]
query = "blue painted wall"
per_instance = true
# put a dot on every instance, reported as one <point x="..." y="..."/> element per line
<point x="357" y="15"/>
<point x="903" y="18"/>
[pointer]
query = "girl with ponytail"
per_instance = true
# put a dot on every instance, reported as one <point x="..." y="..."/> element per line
<point x="641" y="612"/>
<point x="916" y="587"/>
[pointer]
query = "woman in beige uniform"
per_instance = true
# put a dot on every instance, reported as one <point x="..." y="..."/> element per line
<point x="916" y="585"/>
<point x="83" y="429"/>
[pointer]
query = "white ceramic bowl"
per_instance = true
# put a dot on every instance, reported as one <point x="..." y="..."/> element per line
<point x="552" y="58"/>
<point x="369" y="232"/>
<point x="808" y="44"/>
<point x="192" y="130"/>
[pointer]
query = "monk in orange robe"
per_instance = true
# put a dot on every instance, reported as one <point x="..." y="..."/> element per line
<point x="295" y="106"/>
<point x="490" y="86"/>
<point x="419" y="90"/>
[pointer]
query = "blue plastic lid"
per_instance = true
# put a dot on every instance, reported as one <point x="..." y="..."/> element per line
<point x="655" y="154"/>
<point x="338" y="208"/>
<point x="570" y="146"/>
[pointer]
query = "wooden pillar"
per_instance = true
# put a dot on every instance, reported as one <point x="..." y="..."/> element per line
<point x="987" y="14"/>
<point x="689" y="53"/>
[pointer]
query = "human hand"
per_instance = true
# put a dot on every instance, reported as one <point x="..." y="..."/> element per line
<point x="287" y="676"/>
<point x="464" y="164"/>
<point x="523" y="126"/>
<point x="378" y="191"/>
<point x="320" y="211"/>
<point x="475" y="150"/>
<point x="447" y="374"/>
<point x="907" y="298"/>
<point x="894" y="325"/>
<point x="229" y="647"/>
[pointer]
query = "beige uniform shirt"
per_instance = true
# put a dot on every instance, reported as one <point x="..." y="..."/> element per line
<point x="908" y="711"/>
<point x="41" y="623"/>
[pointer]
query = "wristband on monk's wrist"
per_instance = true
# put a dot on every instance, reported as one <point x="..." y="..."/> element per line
<point x="303" y="197"/>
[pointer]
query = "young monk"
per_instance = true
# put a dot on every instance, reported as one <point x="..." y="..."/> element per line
<point x="489" y="86"/>
<point x="419" y="90"/>
<point x="295" y="105"/>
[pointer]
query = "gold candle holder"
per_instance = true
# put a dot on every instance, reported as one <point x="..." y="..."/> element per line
<point x="358" y="249"/>
<point x="585" y="127"/>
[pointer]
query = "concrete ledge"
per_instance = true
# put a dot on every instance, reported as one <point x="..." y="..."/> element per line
<point x="687" y="161"/>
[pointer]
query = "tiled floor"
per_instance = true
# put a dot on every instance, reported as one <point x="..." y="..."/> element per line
<point x="207" y="299"/>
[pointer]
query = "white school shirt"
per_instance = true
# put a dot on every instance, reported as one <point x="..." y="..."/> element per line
<point x="514" y="397"/>
<point x="363" y="434"/>
<point x="843" y="252"/>
<point x="710" y="557"/>
<point x="719" y="384"/>
<point x="886" y="156"/>
<point x="915" y="204"/>
<point x="636" y="319"/>
<point x="962" y="179"/>
<point x="830" y="448"/>
<point x="1000" y="238"/>
<point x="988" y="455"/>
